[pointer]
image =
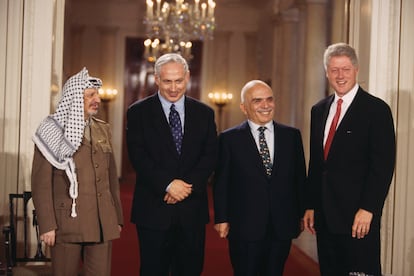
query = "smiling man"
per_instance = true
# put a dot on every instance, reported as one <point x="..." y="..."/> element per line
<point x="352" y="156"/>
<point x="172" y="145"/>
<point x="258" y="187"/>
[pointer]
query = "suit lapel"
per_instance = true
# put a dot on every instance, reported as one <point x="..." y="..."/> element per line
<point x="251" y="147"/>
<point x="351" y="118"/>
<point x="322" y="121"/>
<point x="190" y="122"/>
<point x="161" y="125"/>
<point x="348" y="115"/>
<point x="346" y="120"/>
<point x="277" y="144"/>
<point x="325" y="114"/>
<point x="249" y="140"/>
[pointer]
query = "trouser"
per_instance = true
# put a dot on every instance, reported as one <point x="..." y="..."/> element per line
<point x="343" y="255"/>
<point x="265" y="257"/>
<point x="177" y="250"/>
<point x="68" y="259"/>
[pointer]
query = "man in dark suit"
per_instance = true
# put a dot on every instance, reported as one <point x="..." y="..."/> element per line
<point x="172" y="145"/>
<point x="350" y="169"/>
<point x="258" y="187"/>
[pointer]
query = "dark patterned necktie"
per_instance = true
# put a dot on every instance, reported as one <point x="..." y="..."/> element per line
<point x="264" y="151"/>
<point x="176" y="129"/>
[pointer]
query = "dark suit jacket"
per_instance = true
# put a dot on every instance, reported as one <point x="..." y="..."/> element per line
<point x="359" y="167"/>
<point x="153" y="155"/>
<point x="243" y="194"/>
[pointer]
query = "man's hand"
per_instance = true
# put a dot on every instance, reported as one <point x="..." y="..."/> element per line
<point x="222" y="229"/>
<point x="169" y="199"/>
<point x="179" y="190"/>
<point x="362" y="223"/>
<point x="49" y="238"/>
<point x="308" y="221"/>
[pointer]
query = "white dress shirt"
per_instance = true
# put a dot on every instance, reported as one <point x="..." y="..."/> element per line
<point x="269" y="136"/>
<point x="347" y="100"/>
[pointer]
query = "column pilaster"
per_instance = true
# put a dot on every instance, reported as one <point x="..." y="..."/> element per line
<point x="315" y="44"/>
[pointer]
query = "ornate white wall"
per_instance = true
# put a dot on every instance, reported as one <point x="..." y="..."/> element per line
<point x="30" y="56"/>
<point x="249" y="43"/>
<point x="402" y="252"/>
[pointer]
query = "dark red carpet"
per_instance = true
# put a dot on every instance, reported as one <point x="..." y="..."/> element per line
<point x="125" y="259"/>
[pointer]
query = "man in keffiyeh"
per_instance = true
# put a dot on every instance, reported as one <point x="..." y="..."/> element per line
<point x="75" y="185"/>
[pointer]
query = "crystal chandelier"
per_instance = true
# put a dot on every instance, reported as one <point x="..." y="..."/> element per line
<point x="170" y="27"/>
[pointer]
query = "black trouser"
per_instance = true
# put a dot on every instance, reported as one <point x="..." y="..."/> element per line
<point x="264" y="257"/>
<point x="340" y="254"/>
<point x="177" y="250"/>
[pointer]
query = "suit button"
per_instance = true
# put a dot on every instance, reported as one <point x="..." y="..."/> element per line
<point x="94" y="151"/>
<point x="98" y="179"/>
<point x="99" y="194"/>
<point x="96" y="165"/>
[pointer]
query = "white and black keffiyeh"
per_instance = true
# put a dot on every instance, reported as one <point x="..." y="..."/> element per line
<point x="60" y="134"/>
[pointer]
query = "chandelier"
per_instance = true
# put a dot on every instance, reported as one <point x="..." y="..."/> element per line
<point x="171" y="26"/>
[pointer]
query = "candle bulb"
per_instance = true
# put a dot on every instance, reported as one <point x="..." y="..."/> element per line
<point x="203" y="10"/>
<point x="158" y="8"/>
<point x="150" y="4"/>
<point x="155" y="47"/>
<point x="177" y="6"/>
<point x="165" y="10"/>
<point x="196" y="7"/>
<point x="211" y="6"/>
<point x="175" y="21"/>
<point x="188" y="46"/>
<point x="147" y="44"/>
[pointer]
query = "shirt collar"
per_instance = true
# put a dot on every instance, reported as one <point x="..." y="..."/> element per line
<point x="348" y="97"/>
<point x="255" y="126"/>
<point x="179" y="105"/>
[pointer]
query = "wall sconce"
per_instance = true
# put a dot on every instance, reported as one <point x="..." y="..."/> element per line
<point x="220" y="99"/>
<point x="107" y="95"/>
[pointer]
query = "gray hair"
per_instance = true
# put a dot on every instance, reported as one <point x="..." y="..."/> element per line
<point x="167" y="58"/>
<point x="249" y="85"/>
<point x="340" y="49"/>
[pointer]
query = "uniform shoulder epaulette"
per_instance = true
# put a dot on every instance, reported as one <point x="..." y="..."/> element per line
<point x="99" y="120"/>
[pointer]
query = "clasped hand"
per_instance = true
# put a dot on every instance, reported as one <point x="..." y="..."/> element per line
<point x="178" y="191"/>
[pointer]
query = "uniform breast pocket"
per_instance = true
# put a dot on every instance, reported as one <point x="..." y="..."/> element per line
<point x="105" y="146"/>
<point x="66" y="224"/>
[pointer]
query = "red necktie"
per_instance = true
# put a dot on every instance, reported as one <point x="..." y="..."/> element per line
<point x="332" y="129"/>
